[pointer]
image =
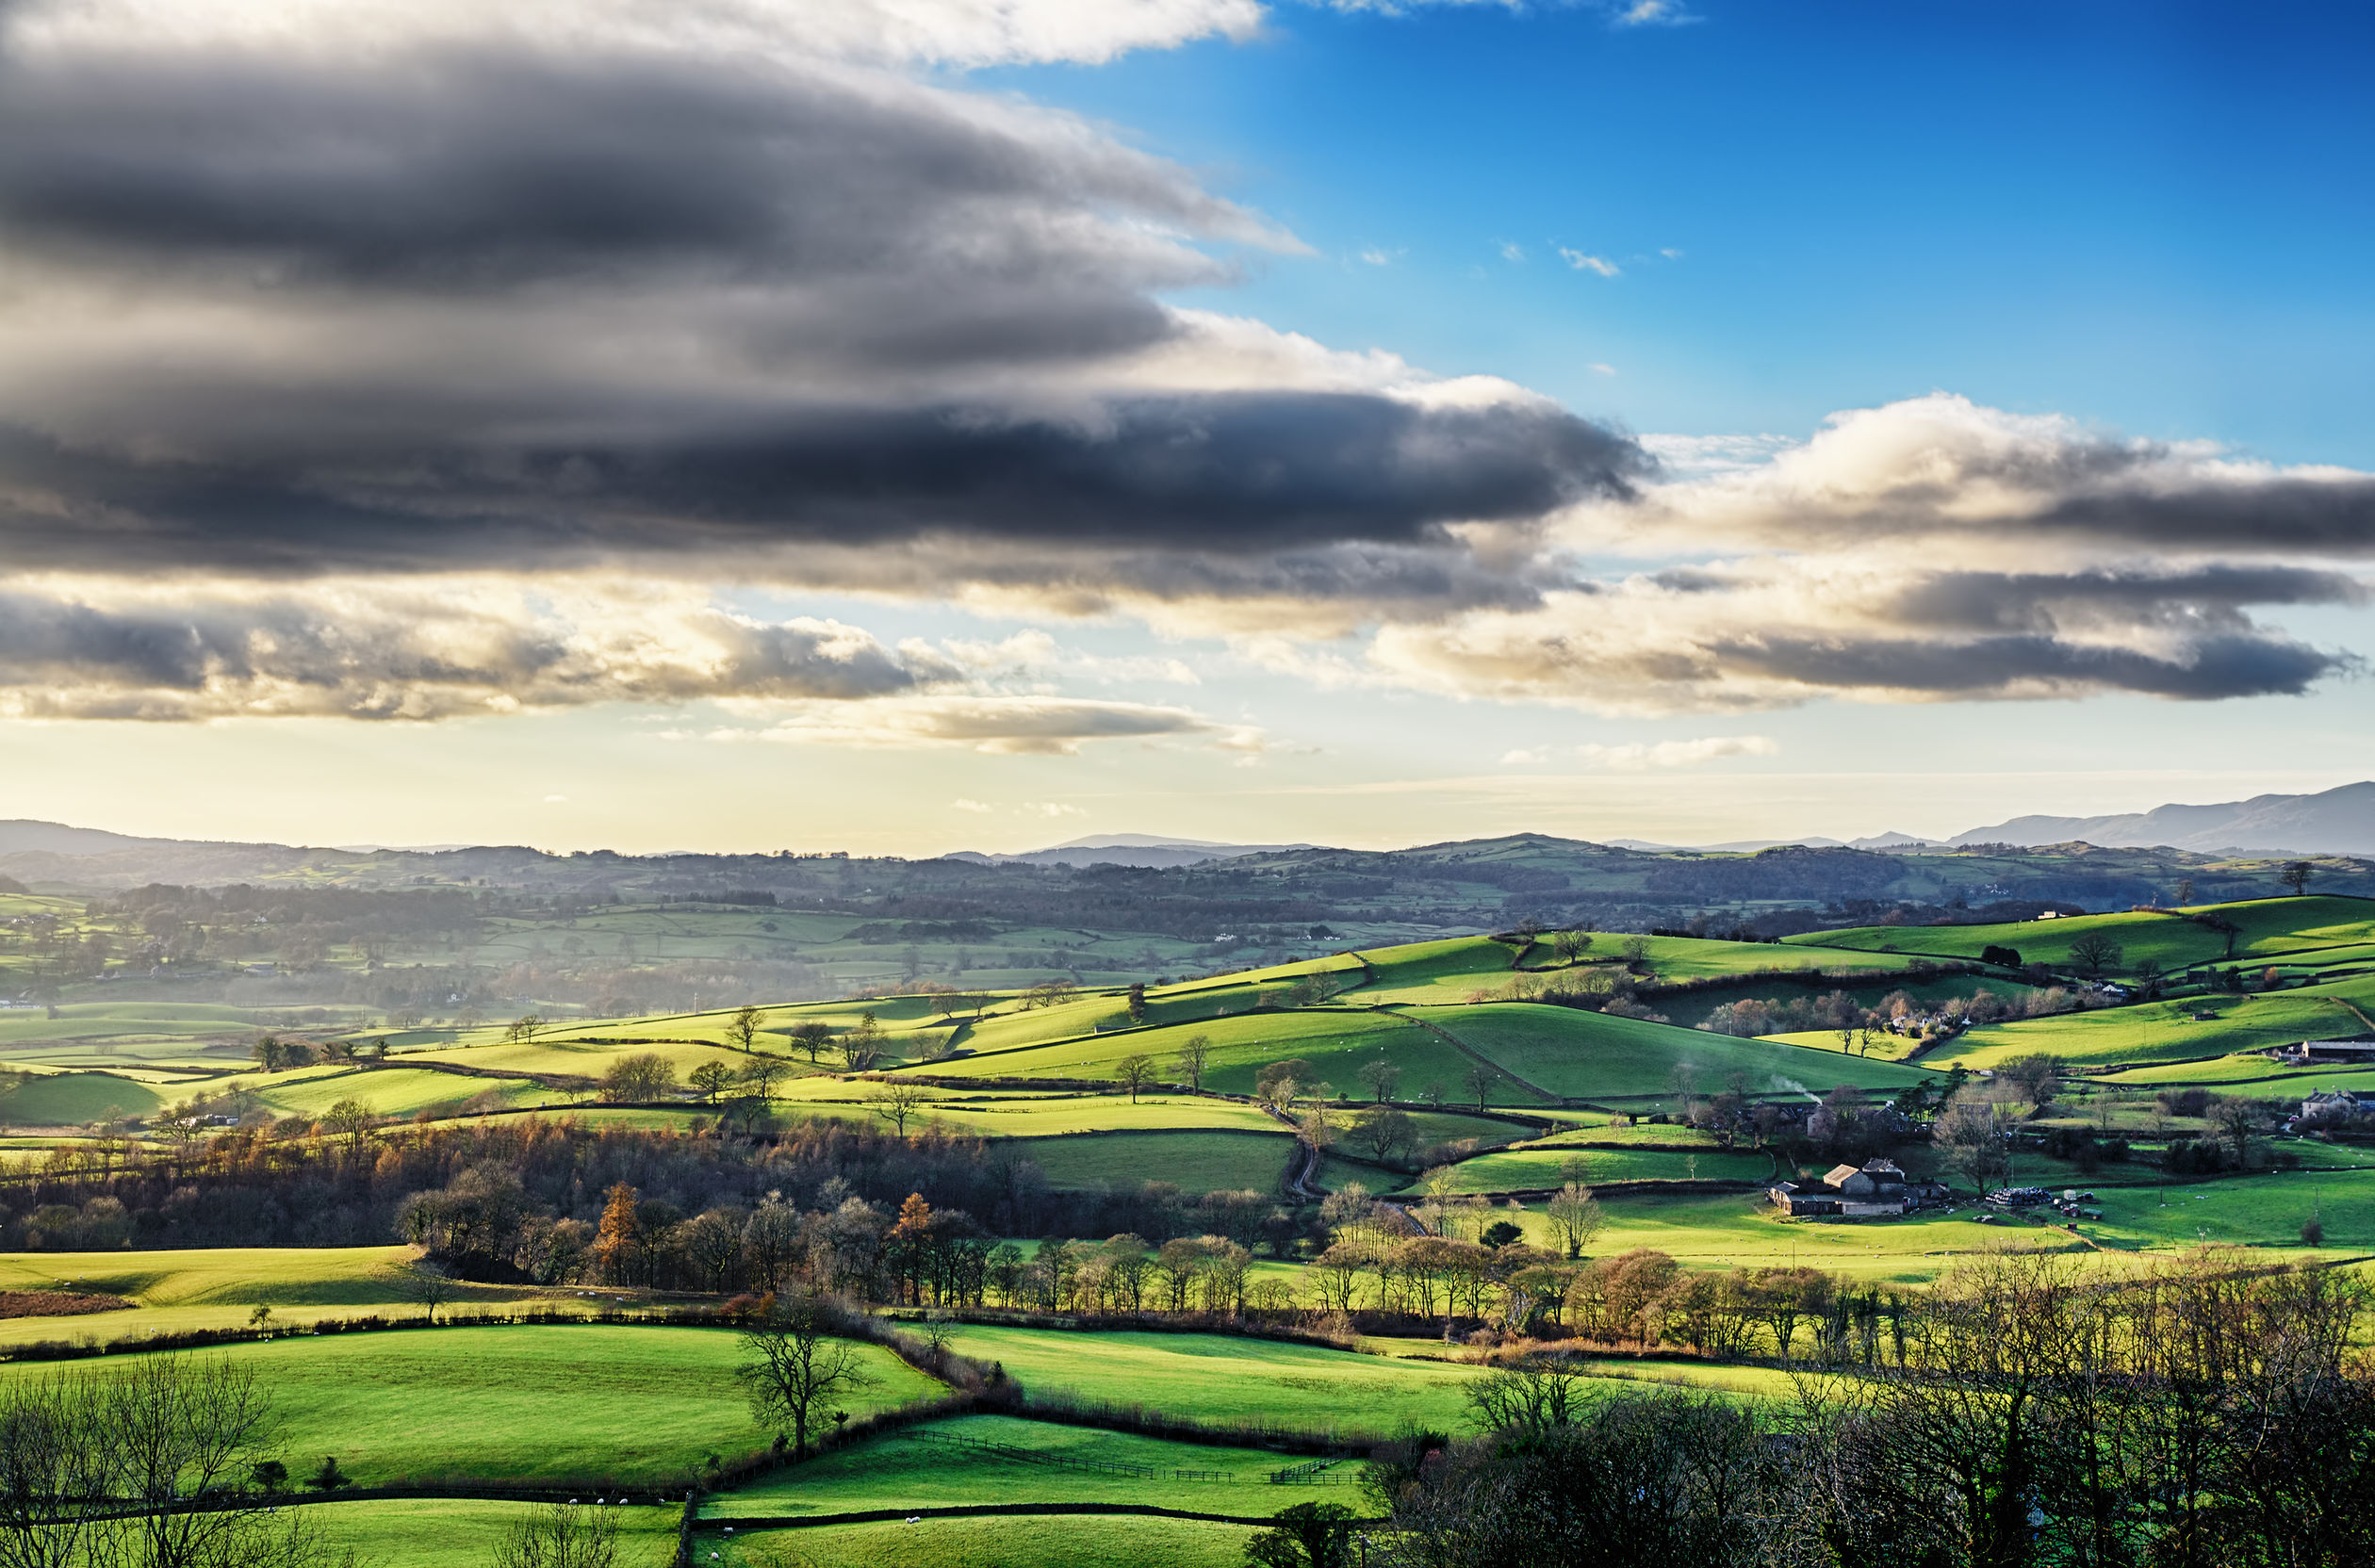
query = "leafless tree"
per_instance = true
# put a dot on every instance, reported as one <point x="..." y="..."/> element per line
<point x="795" y="1367"/>
<point x="1576" y="1218"/>
<point x="743" y="1029"/>
<point x="2296" y="876"/>
<point x="1192" y="1057"/>
<point x="566" y="1535"/>
<point x="2095" y="951"/>
<point x="898" y="1102"/>
<point x="425" y="1285"/>
<point x="1134" y="1073"/>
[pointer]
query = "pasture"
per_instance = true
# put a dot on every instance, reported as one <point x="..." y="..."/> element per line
<point x="439" y="1532"/>
<point x="1195" y="1161"/>
<point x="1593" y="1055"/>
<point x="1022" y="1542"/>
<point x="2168" y="1030"/>
<point x="1002" y="1459"/>
<point x="565" y="1404"/>
<point x="1221" y="1380"/>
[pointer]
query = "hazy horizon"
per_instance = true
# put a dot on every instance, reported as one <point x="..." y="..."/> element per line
<point x="975" y="423"/>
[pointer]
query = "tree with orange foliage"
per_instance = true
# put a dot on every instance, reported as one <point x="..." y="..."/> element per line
<point x="618" y="1248"/>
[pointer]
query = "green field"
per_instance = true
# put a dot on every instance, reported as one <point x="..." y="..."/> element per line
<point x="2265" y="929"/>
<point x="558" y="1403"/>
<point x="1591" y="1055"/>
<point x="1515" y="1169"/>
<point x="217" y="1288"/>
<point x="1195" y="1161"/>
<point x="1216" y="1378"/>
<point x="919" y="1468"/>
<point x="73" y="1099"/>
<point x="440" y="1532"/>
<point x="2165" y="1031"/>
<point x="1023" y="1541"/>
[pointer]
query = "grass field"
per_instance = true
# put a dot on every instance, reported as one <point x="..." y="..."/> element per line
<point x="1591" y="1055"/>
<point x="1195" y="1161"/>
<point x="1023" y="1541"/>
<point x="1216" y="1378"/>
<point x="915" y="1468"/>
<point x="572" y="1403"/>
<point x="217" y="1288"/>
<point x="439" y="1532"/>
<point x="1520" y="1169"/>
<point x="73" y="1099"/>
<point x="2266" y="928"/>
<point x="2165" y="1031"/>
<point x="1337" y="1041"/>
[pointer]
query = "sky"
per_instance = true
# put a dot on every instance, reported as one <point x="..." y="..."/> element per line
<point x="911" y="425"/>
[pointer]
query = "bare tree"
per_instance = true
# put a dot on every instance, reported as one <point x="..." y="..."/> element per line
<point x="760" y="1074"/>
<point x="1571" y="945"/>
<point x="1381" y="1076"/>
<point x="425" y="1285"/>
<point x="743" y="1027"/>
<point x="861" y="1048"/>
<point x="1386" y="1130"/>
<point x="1193" y="1055"/>
<point x="638" y="1079"/>
<point x="1576" y="1218"/>
<point x="566" y="1535"/>
<point x="2296" y="876"/>
<point x="711" y="1079"/>
<point x="794" y="1367"/>
<point x="898" y="1102"/>
<point x="1480" y="1080"/>
<point x="521" y="1027"/>
<point x="2095" y="951"/>
<point x="1134" y="1073"/>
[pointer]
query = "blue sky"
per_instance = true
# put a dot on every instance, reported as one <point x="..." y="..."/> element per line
<point x="973" y="423"/>
<point x="2156" y="215"/>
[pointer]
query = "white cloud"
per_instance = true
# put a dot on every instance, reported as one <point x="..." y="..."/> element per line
<point x="1650" y="13"/>
<point x="1671" y="253"/>
<point x="1512" y="251"/>
<point x="997" y="725"/>
<point x="1523" y="758"/>
<point x="1376" y="256"/>
<point x="1051" y="808"/>
<point x="1642" y="756"/>
<point x="1584" y="263"/>
<point x="553" y="800"/>
<point x="975" y="805"/>
<point x="950" y="32"/>
<point x="1599" y="369"/>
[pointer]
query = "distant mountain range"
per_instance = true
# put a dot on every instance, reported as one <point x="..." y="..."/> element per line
<point x="1123" y="849"/>
<point x="2335" y="821"/>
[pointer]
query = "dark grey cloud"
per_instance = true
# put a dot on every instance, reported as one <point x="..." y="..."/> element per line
<point x="1214" y="474"/>
<point x="794" y="260"/>
<point x="2237" y="664"/>
<point x="2212" y="595"/>
<point x="2322" y="516"/>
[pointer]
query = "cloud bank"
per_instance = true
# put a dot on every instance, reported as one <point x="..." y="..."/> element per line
<point x="310" y="313"/>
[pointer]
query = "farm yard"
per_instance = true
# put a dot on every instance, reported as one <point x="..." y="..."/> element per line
<point x="1179" y="1198"/>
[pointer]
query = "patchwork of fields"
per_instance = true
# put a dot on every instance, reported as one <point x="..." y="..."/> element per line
<point x="1421" y="1073"/>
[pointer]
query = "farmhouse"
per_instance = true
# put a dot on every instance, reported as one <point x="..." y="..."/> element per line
<point x="1875" y="1189"/>
<point x="2324" y="1103"/>
<point x="2324" y="1050"/>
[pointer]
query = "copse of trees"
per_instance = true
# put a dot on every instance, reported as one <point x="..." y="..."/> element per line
<point x="2206" y="1411"/>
